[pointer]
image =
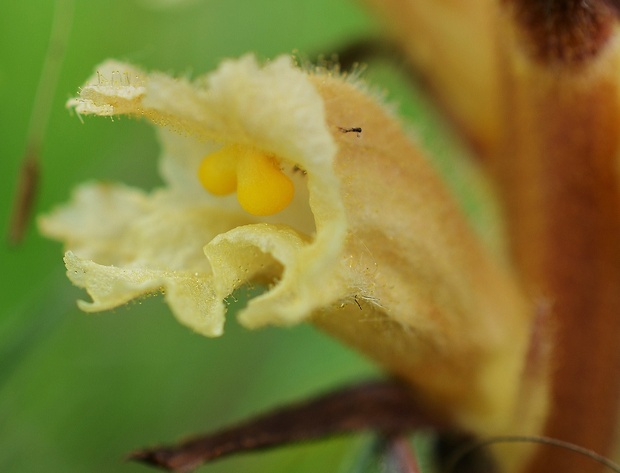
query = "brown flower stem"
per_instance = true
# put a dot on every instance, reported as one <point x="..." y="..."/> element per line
<point x="28" y="179"/>
<point x="559" y="175"/>
<point x="25" y="194"/>
<point x="382" y="406"/>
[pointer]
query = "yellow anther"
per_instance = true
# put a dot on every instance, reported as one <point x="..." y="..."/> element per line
<point x="218" y="171"/>
<point x="262" y="188"/>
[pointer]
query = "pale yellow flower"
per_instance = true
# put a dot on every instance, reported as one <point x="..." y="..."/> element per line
<point x="147" y="242"/>
<point x="372" y="248"/>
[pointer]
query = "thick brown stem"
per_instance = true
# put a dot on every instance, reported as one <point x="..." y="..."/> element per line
<point x="385" y="407"/>
<point x="559" y="176"/>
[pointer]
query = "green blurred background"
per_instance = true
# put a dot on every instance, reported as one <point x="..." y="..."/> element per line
<point x="79" y="391"/>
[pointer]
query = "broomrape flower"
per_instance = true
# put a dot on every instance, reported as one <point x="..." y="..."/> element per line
<point x="354" y="232"/>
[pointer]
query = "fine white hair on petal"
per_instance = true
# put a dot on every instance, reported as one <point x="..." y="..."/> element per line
<point x="114" y="89"/>
<point x="190" y="296"/>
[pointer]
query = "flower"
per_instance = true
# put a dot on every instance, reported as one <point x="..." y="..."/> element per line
<point x="351" y="230"/>
<point x="157" y="240"/>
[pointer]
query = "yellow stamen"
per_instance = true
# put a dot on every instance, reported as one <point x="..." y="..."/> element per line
<point x="262" y="188"/>
<point x="218" y="171"/>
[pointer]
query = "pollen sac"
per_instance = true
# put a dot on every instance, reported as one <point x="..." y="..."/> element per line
<point x="218" y="171"/>
<point x="262" y="188"/>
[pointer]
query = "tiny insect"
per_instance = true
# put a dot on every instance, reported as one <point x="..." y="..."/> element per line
<point x="297" y="169"/>
<point x="357" y="130"/>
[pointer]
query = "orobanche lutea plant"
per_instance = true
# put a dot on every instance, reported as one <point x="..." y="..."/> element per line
<point x="298" y="179"/>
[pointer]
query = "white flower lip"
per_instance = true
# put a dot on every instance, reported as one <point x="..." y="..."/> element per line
<point x="194" y="247"/>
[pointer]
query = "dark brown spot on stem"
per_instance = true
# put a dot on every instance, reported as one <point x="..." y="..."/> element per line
<point x="568" y="32"/>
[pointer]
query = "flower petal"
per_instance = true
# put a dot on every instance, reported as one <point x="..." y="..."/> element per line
<point x="190" y="296"/>
<point x="97" y="217"/>
<point x="142" y="244"/>
<point x="280" y="254"/>
<point x="273" y="108"/>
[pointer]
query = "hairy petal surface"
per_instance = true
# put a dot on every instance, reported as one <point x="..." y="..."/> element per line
<point x="436" y="309"/>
